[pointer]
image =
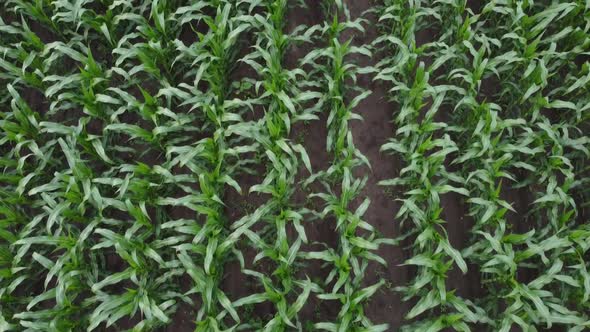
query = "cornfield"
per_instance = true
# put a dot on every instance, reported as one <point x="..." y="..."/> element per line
<point x="294" y="165"/>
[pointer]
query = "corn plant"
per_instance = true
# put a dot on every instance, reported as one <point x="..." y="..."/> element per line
<point x="498" y="250"/>
<point x="282" y="93"/>
<point x="121" y="191"/>
<point x="426" y="146"/>
<point x="212" y="159"/>
<point x="357" y="239"/>
<point x="499" y="142"/>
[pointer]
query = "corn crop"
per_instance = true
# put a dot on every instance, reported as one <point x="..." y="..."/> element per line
<point x="350" y="259"/>
<point x="158" y="155"/>
<point x="490" y="144"/>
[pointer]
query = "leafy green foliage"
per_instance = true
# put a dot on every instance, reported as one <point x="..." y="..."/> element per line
<point x="126" y="127"/>
<point x="499" y="73"/>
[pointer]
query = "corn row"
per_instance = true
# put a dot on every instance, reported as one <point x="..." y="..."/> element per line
<point x="555" y="292"/>
<point x="426" y="146"/>
<point x="492" y="156"/>
<point x="72" y="209"/>
<point x="148" y="246"/>
<point x="283" y="94"/>
<point x="212" y="159"/>
<point x="489" y="145"/>
<point x="357" y="241"/>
